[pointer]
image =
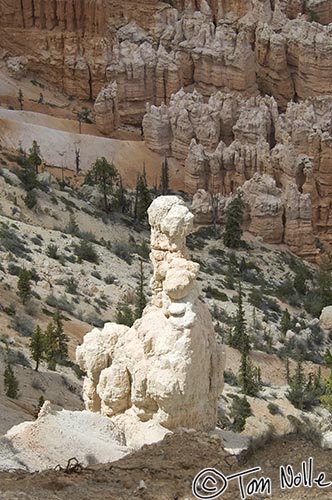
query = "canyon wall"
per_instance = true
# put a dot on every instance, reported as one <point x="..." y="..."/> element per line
<point x="282" y="160"/>
<point x="153" y="49"/>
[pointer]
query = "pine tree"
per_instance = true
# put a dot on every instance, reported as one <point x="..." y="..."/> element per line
<point x="24" y="285"/>
<point x="164" y="178"/>
<point x="61" y="338"/>
<point x="140" y="295"/>
<point x="103" y="174"/>
<point x="120" y="197"/>
<point x="34" y="158"/>
<point x="50" y="346"/>
<point x="297" y="387"/>
<point x="10" y="382"/>
<point x="287" y="371"/>
<point x="124" y="314"/>
<point x="234" y="218"/>
<point x="239" y="338"/>
<point x="285" y="322"/>
<point x="142" y="198"/>
<point x="56" y="342"/>
<point x="37" y="346"/>
<point x="328" y="358"/>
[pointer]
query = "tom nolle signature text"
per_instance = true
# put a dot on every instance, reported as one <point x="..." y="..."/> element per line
<point x="211" y="483"/>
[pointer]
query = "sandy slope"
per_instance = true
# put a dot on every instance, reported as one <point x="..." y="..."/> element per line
<point x="58" y="145"/>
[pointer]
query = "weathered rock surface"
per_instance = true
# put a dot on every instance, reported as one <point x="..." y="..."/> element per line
<point x="106" y="109"/>
<point x="224" y="142"/>
<point x="152" y="49"/>
<point x="166" y="371"/>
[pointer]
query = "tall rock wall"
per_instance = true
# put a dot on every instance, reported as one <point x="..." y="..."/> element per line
<point x="166" y="371"/>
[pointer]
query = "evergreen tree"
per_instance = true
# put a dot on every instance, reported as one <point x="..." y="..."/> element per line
<point x="10" y="382"/>
<point x="239" y="338"/>
<point x="240" y="411"/>
<point x="328" y="358"/>
<point x="142" y="197"/>
<point x="103" y="174"/>
<point x="140" y="295"/>
<point x="56" y="342"/>
<point x="37" y="346"/>
<point x="234" y="218"/>
<point x="20" y="98"/>
<point x="326" y="398"/>
<point x="50" y="346"/>
<point x="249" y="376"/>
<point x="61" y="338"/>
<point x="124" y="314"/>
<point x="285" y="322"/>
<point x="297" y="387"/>
<point x="164" y="185"/>
<point x="24" y="285"/>
<point x="34" y="158"/>
<point x="39" y="406"/>
<point x="287" y="371"/>
<point x="120" y="197"/>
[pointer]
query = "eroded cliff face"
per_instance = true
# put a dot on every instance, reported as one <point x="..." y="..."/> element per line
<point x="282" y="160"/>
<point x="152" y="49"/>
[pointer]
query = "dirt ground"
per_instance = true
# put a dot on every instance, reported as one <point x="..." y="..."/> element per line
<point x="165" y="471"/>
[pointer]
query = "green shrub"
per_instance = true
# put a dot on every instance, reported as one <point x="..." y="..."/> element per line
<point x="121" y="250"/>
<point x="71" y="286"/>
<point x="30" y="199"/>
<point x="239" y="413"/>
<point x="85" y="251"/>
<point x="214" y="293"/>
<point x="52" y="251"/>
<point x="273" y="408"/>
<point x="10" y="242"/>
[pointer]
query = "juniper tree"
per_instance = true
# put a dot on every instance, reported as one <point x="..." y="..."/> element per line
<point x="234" y="218"/>
<point x="37" y="346"/>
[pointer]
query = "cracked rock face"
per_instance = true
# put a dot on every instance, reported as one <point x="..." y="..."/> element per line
<point x="166" y="371"/>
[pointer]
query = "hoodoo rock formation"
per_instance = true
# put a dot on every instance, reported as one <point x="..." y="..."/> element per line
<point x="165" y="372"/>
<point x="152" y="49"/>
<point x="106" y="109"/>
<point x="281" y="160"/>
